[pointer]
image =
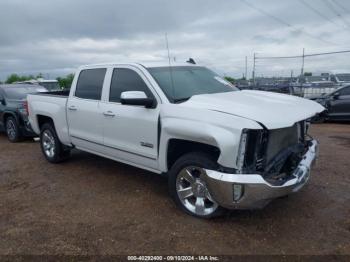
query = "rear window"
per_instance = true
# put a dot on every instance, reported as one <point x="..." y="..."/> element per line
<point x="90" y="83"/>
<point x="20" y="93"/>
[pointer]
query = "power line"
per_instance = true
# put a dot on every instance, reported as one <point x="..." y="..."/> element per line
<point x="277" y="19"/>
<point x="318" y="12"/>
<point x="266" y="13"/>
<point x="300" y="56"/>
<point x="341" y="6"/>
<point x="331" y="7"/>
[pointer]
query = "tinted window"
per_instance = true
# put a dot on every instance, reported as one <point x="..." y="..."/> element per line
<point x="90" y="83"/>
<point x="345" y="91"/>
<point x="50" y="85"/>
<point x="126" y="80"/>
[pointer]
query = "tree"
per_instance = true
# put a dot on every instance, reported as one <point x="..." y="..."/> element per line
<point x="17" y="78"/>
<point x="66" y="81"/>
<point x="230" y="79"/>
<point x="307" y="74"/>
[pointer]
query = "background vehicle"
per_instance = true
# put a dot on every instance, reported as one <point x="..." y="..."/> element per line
<point x="14" y="112"/>
<point x="341" y="79"/>
<point x="337" y="104"/>
<point x="50" y="85"/>
<point x="219" y="146"/>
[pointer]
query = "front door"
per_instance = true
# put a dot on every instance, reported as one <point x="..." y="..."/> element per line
<point x="130" y="133"/>
<point x="340" y="105"/>
<point x="2" y="109"/>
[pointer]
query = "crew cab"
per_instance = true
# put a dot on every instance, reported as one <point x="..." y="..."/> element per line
<point x="220" y="147"/>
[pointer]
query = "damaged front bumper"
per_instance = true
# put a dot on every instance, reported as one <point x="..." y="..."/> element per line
<point x="250" y="191"/>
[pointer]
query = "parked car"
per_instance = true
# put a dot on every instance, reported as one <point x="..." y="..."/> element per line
<point x="220" y="147"/>
<point x="337" y="105"/>
<point x="282" y="88"/>
<point x="14" y="112"/>
<point x="340" y="79"/>
<point x="51" y="85"/>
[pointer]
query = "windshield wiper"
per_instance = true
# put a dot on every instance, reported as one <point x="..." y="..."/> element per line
<point x="180" y="100"/>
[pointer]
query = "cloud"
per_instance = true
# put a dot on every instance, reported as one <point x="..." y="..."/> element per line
<point x="54" y="37"/>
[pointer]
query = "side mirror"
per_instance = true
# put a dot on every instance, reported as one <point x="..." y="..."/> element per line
<point x="136" y="98"/>
<point x="336" y="95"/>
<point x="2" y="101"/>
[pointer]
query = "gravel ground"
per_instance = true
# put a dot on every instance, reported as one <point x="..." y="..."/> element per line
<point x="93" y="206"/>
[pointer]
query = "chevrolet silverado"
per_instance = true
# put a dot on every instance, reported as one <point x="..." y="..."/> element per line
<point x="221" y="148"/>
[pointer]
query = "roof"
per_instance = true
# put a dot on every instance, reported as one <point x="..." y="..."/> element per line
<point x="144" y="64"/>
<point x="19" y="86"/>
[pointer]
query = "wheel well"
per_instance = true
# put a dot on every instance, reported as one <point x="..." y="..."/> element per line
<point x="178" y="147"/>
<point x="43" y="119"/>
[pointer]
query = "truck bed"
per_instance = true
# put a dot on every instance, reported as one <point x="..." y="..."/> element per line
<point x="50" y="105"/>
<point x="64" y="93"/>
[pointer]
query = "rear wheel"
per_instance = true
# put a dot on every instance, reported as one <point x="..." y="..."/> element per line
<point x="12" y="130"/>
<point x="188" y="187"/>
<point x="53" y="150"/>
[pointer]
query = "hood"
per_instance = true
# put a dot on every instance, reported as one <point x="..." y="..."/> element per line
<point x="271" y="109"/>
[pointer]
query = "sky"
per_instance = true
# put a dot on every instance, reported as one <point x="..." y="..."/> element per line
<point x="55" y="37"/>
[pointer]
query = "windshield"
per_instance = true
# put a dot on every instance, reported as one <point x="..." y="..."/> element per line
<point x="344" y="77"/>
<point x="20" y="93"/>
<point x="182" y="82"/>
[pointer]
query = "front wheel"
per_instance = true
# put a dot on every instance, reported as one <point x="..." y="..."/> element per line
<point x="53" y="150"/>
<point x="188" y="187"/>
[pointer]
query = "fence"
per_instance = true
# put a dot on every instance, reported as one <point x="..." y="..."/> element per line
<point x="310" y="92"/>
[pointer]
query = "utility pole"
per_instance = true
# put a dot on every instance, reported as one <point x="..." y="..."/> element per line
<point x="246" y="68"/>
<point x="253" y="73"/>
<point x="302" y="63"/>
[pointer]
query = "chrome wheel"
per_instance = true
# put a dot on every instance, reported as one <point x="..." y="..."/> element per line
<point x="11" y="130"/>
<point x="48" y="143"/>
<point x="193" y="192"/>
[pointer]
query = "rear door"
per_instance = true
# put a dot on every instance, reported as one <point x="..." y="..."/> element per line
<point x="130" y="132"/>
<point x="2" y="108"/>
<point x="340" y="106"/>
<point x="83" y="110"/>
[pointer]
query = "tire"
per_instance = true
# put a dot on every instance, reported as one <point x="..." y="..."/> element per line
<point x="52" y="148"/>
<point x="12" y="130"/>
<point x="191" y="194"/>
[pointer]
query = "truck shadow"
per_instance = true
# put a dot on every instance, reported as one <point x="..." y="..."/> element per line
<point x="156" y="185"/>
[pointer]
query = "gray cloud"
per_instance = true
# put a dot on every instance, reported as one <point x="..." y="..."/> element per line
<point x="54" y="37"/>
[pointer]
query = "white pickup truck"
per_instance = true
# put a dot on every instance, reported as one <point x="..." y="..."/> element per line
<point x="221" y="148"/>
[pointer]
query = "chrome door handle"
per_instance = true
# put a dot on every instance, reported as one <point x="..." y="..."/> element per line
<point x="72" y="108"/>
<point x="109" y="113"/>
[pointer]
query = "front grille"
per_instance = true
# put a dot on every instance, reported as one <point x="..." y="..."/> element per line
<point x="270" y="152"/>
<point x="280" y="139"/>
<point x="284" y="151"/>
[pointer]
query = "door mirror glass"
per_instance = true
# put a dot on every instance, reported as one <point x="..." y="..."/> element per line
<point x="136" y="98"/>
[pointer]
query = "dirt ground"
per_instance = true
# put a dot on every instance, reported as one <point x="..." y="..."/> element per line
<point x="93" y="206"/>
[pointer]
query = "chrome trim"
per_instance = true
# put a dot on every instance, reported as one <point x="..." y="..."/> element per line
<point x="257" y="191"/>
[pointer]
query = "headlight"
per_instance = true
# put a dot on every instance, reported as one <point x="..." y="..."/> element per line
<point x="242" y="150"/>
